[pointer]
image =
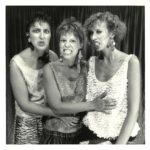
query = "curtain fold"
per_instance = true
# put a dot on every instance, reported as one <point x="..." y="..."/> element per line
<point x="134" y="42"/>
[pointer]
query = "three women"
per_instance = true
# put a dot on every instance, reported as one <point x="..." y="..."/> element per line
<point x="65" y="82"/>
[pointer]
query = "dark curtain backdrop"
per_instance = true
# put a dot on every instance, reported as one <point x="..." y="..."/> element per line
<point x="134" y="42"/>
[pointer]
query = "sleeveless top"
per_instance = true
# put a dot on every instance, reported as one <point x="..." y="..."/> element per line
<point x="71" y="90"/>
<point x="108" y="125"/>
<point x="33" y="79"/>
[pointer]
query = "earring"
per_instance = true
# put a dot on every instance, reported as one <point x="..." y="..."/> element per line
<point x="29" y="40"/>
<point x="61" y="58"/>
<point x="80" y="56"/>
<point x="111" y="44"/>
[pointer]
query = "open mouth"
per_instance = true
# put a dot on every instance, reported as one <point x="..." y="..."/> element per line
<point x="96" y="43"/>
<point x="41" y="43"/>
<point x="67" y="51"/>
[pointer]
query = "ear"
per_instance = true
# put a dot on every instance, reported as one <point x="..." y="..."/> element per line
<point x="27" y="34"/>
<point x="28" y="37"/>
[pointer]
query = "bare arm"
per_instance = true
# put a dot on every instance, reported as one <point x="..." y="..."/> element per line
<point x="134" y="92"/>
<point x="21" y="94"/>
<point x="53" y="56"/>
<point x="54" y="98"/>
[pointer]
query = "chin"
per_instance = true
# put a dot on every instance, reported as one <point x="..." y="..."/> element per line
<point x="42" y="48"/>
<point x="98" y="50"/>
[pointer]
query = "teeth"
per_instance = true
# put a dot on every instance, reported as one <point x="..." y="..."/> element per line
<point x="96" y="43"/>
<point x="66" y="51"/>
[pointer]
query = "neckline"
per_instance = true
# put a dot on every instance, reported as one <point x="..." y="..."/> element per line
<point x="28" y="65"/>
<point x="65" y="69"/>
<point x="113" y="74"/>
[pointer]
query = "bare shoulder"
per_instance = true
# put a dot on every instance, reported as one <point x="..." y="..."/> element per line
<point x="134" y="61"/>
<point x="53" y="56"/>
<point x="46" y="67"/>
<point x="133" y="67"/>
<point x="121" y="55"/>
<point x="52" y="52"/>
<point x="25" y="53"/>
<point x="12" y="64"/>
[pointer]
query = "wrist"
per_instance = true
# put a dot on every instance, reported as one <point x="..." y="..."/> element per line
<point x="91" y="105"/>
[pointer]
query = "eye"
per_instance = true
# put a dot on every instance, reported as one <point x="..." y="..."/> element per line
<point x="46" y="31"/>
<point x="98" y="31"/>
<point x="72" y="41"/>
<point x="62" y="40"/>
<point x="36" y="30"/>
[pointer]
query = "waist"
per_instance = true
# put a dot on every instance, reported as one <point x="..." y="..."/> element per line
<point x="109" y="140"/>
<point x="56" y="124"/>
<point x="21" y="113"/>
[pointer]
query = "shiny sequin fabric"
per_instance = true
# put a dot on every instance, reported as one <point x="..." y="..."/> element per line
<point x="28" y="130"/>
<point x="107" y="125"/>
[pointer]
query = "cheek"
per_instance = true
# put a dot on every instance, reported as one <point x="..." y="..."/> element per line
<point x="60" y="45"/>
<point x="76" y="49"/>
<point x="33" y="38"/>
<point x="77" y="46"/>
<point x="105" y="38"/>
<point x="48" y="37"/>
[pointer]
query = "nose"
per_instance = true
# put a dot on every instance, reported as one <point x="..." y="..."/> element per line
<point x="41" y="35"/>
<point x="93" y="36"/>
<point x="67" y="43"/>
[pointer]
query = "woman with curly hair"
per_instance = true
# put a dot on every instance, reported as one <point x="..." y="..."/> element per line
<point x="65" y="87"/>
<point x="116" y="73"/>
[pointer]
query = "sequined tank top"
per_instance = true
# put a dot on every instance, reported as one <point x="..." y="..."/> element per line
<point x="107" y="125"/>
<point x="71" y="90"/>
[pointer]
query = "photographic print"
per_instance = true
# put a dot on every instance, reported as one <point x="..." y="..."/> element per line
<point x="75" y="74"/>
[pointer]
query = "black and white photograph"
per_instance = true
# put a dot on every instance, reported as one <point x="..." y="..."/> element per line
<point x="75" y="75"/>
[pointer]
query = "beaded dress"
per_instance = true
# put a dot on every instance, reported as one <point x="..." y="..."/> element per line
<point x="108" y="125"/>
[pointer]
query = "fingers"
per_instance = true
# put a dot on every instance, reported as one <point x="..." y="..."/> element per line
<point x="103" y="95"/>
<point x="110" y="102"/>
<point x="70" y="121"/>
<point x="107" y="112"/>
<point x="72" y="124"/>
<point x="73" y="119"/>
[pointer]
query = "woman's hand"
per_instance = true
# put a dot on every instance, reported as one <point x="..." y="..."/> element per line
<point x="70" y="121"/>
<point x="101" y="104"/>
